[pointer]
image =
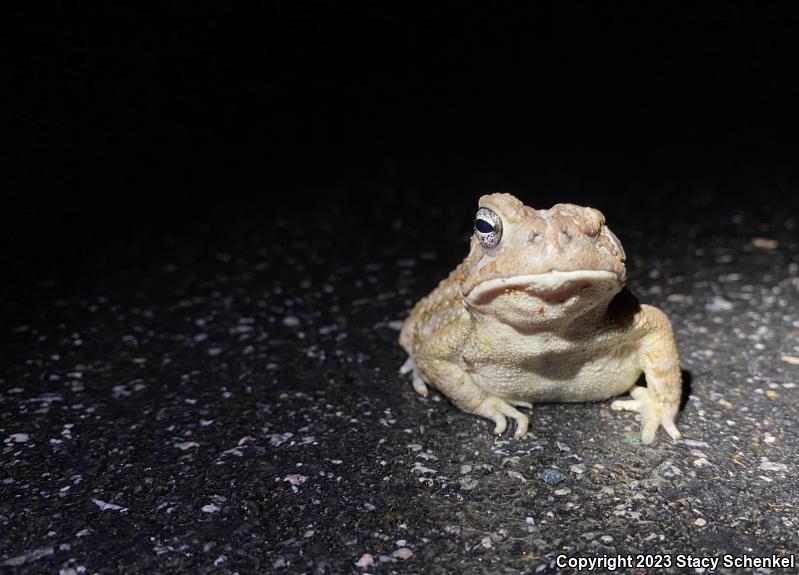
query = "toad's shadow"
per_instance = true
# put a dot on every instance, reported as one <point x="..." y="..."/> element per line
<point x="687" y="380"/>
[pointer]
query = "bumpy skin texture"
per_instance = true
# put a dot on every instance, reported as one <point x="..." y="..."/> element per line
<point x="543" y="316"/>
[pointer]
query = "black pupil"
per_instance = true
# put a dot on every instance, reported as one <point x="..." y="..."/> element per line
<point x="483" y="227"/>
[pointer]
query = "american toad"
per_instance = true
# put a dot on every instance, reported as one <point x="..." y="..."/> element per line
<point x="537" y="312"/>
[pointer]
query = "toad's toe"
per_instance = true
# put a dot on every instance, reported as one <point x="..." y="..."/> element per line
<point x="408" y="366"/>
<point x="654" y="413"/>
<point x="419" y="386"/>
<point x="496" y="409"/>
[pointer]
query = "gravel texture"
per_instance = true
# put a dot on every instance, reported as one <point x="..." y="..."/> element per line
<point x="225" y="398"/>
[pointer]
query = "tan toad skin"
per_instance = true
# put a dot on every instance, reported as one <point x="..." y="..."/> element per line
<point x="543" y="316"/>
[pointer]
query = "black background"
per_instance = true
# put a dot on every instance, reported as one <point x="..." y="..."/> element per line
<point x="129" y="120"/>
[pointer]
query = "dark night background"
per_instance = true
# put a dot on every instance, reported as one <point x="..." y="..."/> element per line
<point x="130" y="116"/>
<point x="217" y="214"/>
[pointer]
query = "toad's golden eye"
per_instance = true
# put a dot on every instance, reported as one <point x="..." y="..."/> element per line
<point x="488" y="227"/>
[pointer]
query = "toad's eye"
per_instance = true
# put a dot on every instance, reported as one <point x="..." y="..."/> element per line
<point x="488" y="227"/>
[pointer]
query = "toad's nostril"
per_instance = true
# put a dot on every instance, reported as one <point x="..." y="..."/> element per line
<point x="566" y="234"/>
<point x="533" y="237"/>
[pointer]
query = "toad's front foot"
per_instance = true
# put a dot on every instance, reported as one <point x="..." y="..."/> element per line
<point x="653" y="412"/>
<point x="496" y="409"/>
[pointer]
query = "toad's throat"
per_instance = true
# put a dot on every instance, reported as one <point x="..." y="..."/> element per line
<point x="553" y="287"/>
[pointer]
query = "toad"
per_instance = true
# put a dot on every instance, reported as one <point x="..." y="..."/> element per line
<point x="538" y="312"/>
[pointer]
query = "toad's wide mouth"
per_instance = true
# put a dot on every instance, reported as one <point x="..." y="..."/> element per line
<point x="554" y="286"/>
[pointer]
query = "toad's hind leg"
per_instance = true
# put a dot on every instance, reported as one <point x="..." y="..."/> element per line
<point x="418" y="383"/>
<point x="459" y="386"/>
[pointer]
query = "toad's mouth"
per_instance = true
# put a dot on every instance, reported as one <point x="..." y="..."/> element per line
<point x="551" y="287"/>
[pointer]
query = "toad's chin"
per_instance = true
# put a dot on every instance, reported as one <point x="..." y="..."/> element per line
<point x="546" y="295"/>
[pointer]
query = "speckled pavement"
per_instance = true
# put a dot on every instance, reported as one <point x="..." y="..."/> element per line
<point x="225" y="398"/>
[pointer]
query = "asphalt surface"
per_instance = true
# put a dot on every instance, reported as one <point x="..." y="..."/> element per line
<point x="221" y="396"/>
